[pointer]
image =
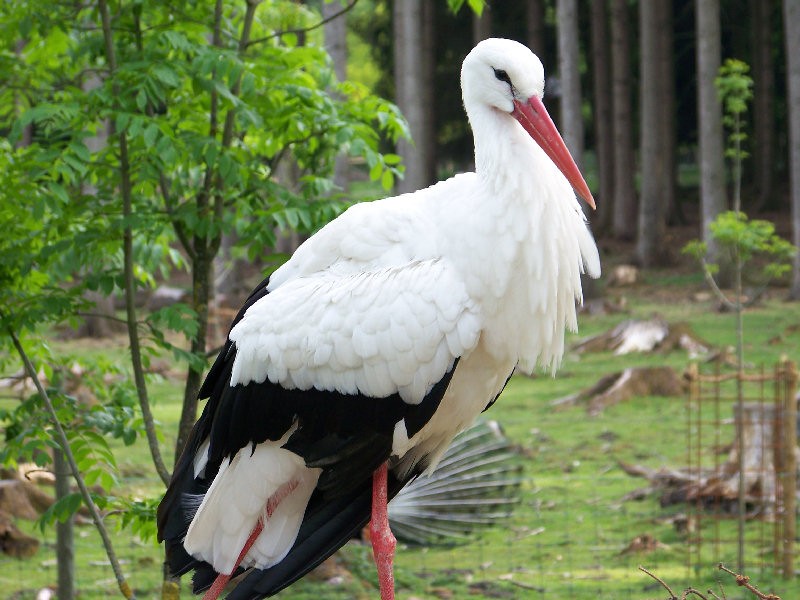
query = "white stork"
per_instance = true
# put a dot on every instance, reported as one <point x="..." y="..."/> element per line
<point x="348" y="372"/>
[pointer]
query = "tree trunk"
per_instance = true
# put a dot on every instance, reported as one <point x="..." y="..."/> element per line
<point x="65" y="536"/>
<point x="624" y="210"/>
<point x="601" y="90"/>
<point x="202" y="293"/>
<point x="482" y="25"/>
<point x="712" y="168"/>
<point x="336" y="37"/>
<point x="671" y="208"/>
<point x="570" y="77"/>
<point x="534" y="27"/>
<point x="791" y="24"/>
<point x="650" y="234"/>
<point x="763" y="112"/>
<point x="336" y="45"/>
<point x="413" y="87"/>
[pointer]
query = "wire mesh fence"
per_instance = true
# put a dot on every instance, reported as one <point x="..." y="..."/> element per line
<point x="742" y="463"/>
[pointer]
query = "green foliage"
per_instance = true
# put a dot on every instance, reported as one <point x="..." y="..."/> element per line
<point x="751" y="239"/>
<point x="139" y="516"/>
<point x="735" y="89"/>
<point x="475" y="5"/>
<point x="192" y="127"/>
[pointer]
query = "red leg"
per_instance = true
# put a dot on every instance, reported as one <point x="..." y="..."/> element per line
<point x="383" y="540"/>
<point x="272" y="503"/>
<point x="222" y="579"/>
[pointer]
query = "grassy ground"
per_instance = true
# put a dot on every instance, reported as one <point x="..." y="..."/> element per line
<point x="568" y="536"/>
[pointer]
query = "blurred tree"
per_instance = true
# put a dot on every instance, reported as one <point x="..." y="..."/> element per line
<point x="623" y="224"/>
<point x="413" y="56"/>
<point x="763" y="102"/>
<point x="671" y="209"/>
<point x="600" y="66"/>
<point x="791" y="24"/>
<point x="712" y="169"/>
<point x="482" y="25"/>
<point x="569" y="74"/>
<point x="336" y="45"/>
<point x="535" y="27"/>
<point x="653" y="146"/>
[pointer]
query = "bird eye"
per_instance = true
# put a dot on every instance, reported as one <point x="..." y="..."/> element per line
<point x="502" y="76"/>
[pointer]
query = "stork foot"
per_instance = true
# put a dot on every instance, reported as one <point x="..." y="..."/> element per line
<point x="383" y="540"/>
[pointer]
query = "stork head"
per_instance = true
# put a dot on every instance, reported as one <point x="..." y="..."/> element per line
<point x="504" y="75"/>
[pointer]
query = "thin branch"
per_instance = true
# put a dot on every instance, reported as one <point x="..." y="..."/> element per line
<point x="124" y="588"/>
<point x="715" y="288"/>
<point x="672" y="595"/>
<point x="303" y="29"/>
<point x="692" y="592"/>
<point x="130" y="285"/>
<point x="744" y="581"/>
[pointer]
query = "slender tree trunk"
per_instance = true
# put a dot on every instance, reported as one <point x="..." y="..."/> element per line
<point x="534" y="27"/>
<point x="670" y="207"/>
<point x="763" y="112"/>
<point x="202" y="293"/>
<point x="413" y="94"/>
<point x="570" y="75"/>
<point x="791" y="25"/>
<point x="482" y="25"/>
<point x="624" y="211"/>
<point x="650" y="234"/>
<point x="712" y="168"/>
<point x="429" y="73"/>
<point x="603" y="131"/>
<point x="336" y="45"/>
<point x="65" y="537"/>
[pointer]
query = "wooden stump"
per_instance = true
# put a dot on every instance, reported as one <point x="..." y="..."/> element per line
<point x="761" y="447"/>
<point x="13" y="542"/>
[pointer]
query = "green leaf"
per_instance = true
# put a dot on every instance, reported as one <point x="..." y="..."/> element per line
<point x="387" y="180"/>
<point x="166" y="75"/>
<point x="150" y="134"/>
<point x="141" y="100"/>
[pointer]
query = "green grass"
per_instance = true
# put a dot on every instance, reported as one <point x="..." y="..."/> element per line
<point x="568" y="534"/>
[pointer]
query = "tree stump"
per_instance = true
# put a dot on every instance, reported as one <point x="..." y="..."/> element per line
<point x="13" y="542"/>
<point x="757" y="444"/>
<point x="719" y="487"/>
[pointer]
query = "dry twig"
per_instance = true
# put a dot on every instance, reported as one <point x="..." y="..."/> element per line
<point x="741" y="581"/>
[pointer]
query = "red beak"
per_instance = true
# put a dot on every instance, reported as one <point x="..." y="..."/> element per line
<point x="533" y="117"/>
